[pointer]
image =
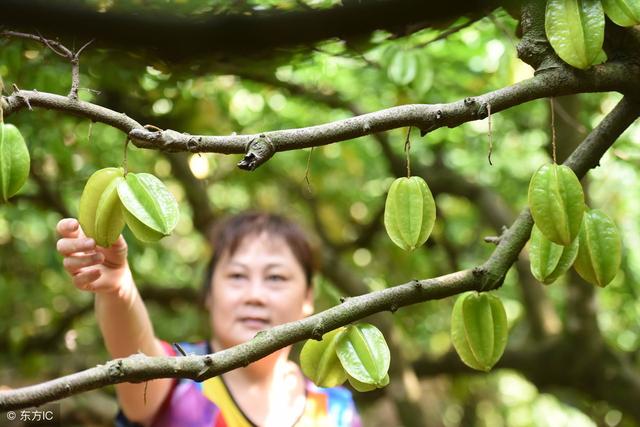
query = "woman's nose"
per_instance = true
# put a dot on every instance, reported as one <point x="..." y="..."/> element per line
<point x="256" y="290"/>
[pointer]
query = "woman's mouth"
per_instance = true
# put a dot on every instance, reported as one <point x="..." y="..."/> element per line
<point x="254" y="322"/>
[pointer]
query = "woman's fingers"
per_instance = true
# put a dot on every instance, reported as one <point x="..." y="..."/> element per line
<point x="84" y="279"/>
<point x="74" y="263"/>
<point x="69" y="246"/>
<point x="68" y="227"/>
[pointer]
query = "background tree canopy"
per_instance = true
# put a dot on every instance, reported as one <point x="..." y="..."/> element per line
<point x="269" y="65"/>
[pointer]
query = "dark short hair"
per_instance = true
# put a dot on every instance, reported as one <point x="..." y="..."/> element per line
<point x="229" y="233"/>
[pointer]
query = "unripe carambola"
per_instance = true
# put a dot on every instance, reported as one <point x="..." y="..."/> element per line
<point x="100" y="213"/>
<point x="479" y="330"/>
<point x="600" y="251"/>
<point x="319" y="361"/>
<point x="549" y="260"/>
<point x="556" y="201"/>
<point x="365" y="356"/>
<point x="150" y="210"/>
<point x="409" y="212"/>
<point x="14" y="161"/>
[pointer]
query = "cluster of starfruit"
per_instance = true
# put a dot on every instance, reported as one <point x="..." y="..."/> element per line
<point x="567" y="232"/>
<point x="111" y="199"/>
<point x="356" y="353"/>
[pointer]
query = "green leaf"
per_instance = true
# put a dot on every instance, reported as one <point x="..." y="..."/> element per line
<point x="320" y="363"/>
<point x="625" y="13"/>
<point x="364" y="353"/>
<point x="575" y="29"/>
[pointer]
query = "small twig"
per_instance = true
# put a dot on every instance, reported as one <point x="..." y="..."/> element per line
<point x="492" y="239"/>
<point x="448" y="32"/>
<point x="407" y="148"/>
<point x="553" y="131"/>
<point x="60" y="50"/>
<point x="180" y="350"/>
<point x="83" y="47"/>
<point x="490" y="134"/>
<point x="24" y="98"/>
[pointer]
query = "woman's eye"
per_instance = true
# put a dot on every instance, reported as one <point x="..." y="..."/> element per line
<point x="276" y="278"/>
<point x="236" y="276"/>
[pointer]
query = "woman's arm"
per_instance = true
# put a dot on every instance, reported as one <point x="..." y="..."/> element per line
<point x="121" y="313"/>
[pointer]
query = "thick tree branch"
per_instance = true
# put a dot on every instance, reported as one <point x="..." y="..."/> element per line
<point x="488" y="276"/>
<point x="231" y="35"/>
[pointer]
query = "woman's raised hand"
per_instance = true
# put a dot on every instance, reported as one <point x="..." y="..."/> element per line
<point x="92" y="268"/>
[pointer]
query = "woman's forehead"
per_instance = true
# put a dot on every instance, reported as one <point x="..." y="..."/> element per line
<point x="269" y="248"/>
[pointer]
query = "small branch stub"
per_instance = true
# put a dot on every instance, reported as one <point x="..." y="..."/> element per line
<point x="259" y="150"/>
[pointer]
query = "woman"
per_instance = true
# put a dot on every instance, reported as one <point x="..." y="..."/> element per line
<point x="259" y="276"/>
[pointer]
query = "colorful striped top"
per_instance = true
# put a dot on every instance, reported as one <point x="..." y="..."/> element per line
<point x="210" y="404"/>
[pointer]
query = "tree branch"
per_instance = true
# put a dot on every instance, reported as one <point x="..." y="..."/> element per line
<point x="427" y="117"/>
<point x="488" y="276"/>
<point x="174" y="37"/>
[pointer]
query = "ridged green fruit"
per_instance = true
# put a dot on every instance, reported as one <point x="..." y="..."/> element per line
<point x="100" y="212"/>
<point x="548" y="260"/>
<point x="319" y="361"/>
<point x="364" y="387"/>
<point x="556" y="201"/>
<point x="409" y="212"/>
<point x="625" y="13"/>
<point x="600" y="251"/>
<point x="364" y="354"/>
<point x="150" y="210"/>
<point x="14" y="161"/>
<point x="575" y="29"/>
<point x="479" y="330"/>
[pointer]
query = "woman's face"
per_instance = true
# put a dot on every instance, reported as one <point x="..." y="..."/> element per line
<point x="260" y="286"/>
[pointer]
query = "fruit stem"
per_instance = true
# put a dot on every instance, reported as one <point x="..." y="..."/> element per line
<point x="124" y="161"/>
<point x="407" y="148"/>
<point x="490" y="134"/>
<point x="553" y="131"/>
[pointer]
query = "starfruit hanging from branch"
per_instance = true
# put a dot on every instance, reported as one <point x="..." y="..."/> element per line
<point x="556" y="201"/>
<point x="14" y="161"/>
<point x="625" y="13"/>
<point x="150" y="210"/>
<point x="600" y="251"/>
<point x="364" y="355"/>
<point x="549" y="260"/>
<point x="575" y="29"/>
<point x="479" y="330"/>
<point x="409" y="213"/>
<point x="319" y="360"/>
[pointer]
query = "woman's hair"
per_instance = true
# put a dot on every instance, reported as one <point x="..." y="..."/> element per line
<point x="228" y="234"/>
